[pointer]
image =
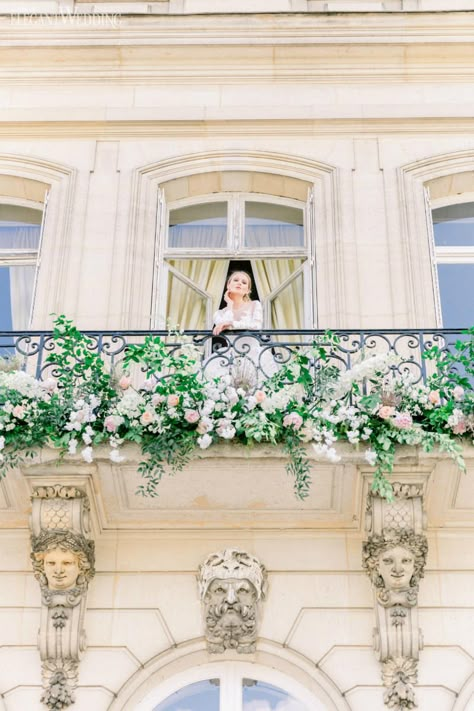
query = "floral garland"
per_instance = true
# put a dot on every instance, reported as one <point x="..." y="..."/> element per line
<point x="176" y="410"/>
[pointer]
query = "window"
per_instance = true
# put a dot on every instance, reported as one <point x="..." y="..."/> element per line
<point x="20" y="230"/>
<point x="454" y="256"/>
<point x="235" y="693"/>
<point x="205" y="238"/>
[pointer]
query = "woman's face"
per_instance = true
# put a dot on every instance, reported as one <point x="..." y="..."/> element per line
<point x="238" y="284"/>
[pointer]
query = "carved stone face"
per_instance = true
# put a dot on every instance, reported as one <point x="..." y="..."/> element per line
<point x="396" y="566"/>
<point x="61" y="568"/>
<point x="231" y="592"/>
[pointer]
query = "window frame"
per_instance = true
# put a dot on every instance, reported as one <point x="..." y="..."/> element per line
<point x="231" y="675"/>
<point x="234" y="247"/>
<point x="447" y="254"/>
<point x="26" y="257"/>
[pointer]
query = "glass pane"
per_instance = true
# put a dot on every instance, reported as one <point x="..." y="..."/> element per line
<point x="198" y="226"/>
<point x="456" y="284"/>
<point x="258" y="696"/>
<point x="201" y="696"/>
<point x="18" y="235"/>
<point x="16" y="294"/>
<point x="186" y="308"/>
<point x="454" y="225"/>
<point x="268" y="225"/>
<point x="286" y="310"/>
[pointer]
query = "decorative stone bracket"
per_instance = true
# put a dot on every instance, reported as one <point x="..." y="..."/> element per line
<point x="394" y="557"/>
<point x="231" y="585"/>
<point x="63" y="563"/>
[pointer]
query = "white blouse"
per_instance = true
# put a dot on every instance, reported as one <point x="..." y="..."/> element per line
<point x="248" y="317"/>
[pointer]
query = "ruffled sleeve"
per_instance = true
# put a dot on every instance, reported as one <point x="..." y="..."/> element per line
<point x="250" y="320"/>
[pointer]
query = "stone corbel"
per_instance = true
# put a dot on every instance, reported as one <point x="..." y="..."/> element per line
<point x="232" y="584"/>
<point x="63" y="563"/>
<point x="394" y="557"/>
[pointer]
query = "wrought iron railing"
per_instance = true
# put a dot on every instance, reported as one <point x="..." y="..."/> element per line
<point x="257" y="354"/>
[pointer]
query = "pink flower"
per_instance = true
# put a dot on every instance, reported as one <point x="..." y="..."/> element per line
<point x="157" y="399"/>
<point x="459" y="428"/>
<point x="124" y="382"/>
<point x="403" y="420"/>
<point x="434" y="397"/>
<point x="191" y="416"/>
<point x="112" y="422"/>
<point x="173" y="400"/>
<point x="458" y="393"/>
<point x="386" y="411"/>
<point x="259" y="396"/>
<point x="147" y="418"/>
<point x="293" y="419"/>
<point x="204" y="425"/>
<point x="18" y="411"/>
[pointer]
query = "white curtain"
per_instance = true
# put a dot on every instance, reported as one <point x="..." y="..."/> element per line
<point x="287" y="306"/>
<point x="268" y="236"/>
<point x="19" y="237"/>
<point x="197" y="236"/>
<point x="186" y="307"/>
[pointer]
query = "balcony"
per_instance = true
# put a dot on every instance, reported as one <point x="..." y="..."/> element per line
<point x="232" y="484"/>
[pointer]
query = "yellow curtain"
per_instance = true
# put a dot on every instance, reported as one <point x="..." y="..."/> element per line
<point x="286" y="308"/>
<point x="186" y="308"/>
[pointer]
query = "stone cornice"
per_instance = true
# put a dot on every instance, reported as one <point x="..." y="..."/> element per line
<point x="276" y="127"/>
<point x="255" y="29"/>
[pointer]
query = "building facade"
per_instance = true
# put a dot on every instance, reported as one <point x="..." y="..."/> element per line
<point x="146" y="149"/>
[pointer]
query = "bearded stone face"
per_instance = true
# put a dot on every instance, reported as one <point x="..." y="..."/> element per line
<point x="230" y="613"/>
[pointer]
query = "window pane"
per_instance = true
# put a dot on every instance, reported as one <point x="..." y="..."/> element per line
<point x="198" y="226"/>
<point x="456" y="284"/>
<point x="258" y="696"/>
<point x="186" y="308"/>
<point x="202" y="696"/>
<point x="16" y="294"/>
<point x="454" y="225"/>
<point x="17" y="235"/>
<point x="268" y="225"/>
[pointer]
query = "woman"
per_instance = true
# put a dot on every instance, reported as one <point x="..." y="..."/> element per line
<point x="240" y="312"/>
<point x="241" y="355"/>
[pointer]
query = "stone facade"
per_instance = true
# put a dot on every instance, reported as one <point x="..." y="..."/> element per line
<point x="353" y="108"/>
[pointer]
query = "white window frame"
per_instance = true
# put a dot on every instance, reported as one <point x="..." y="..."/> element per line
<point x="25" y="257"/>
<point x="231" y="675"/>
<point x="446" y="255"/>
<point x="234" y="248"/>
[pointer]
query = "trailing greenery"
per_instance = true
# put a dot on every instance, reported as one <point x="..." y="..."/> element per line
<point x="175" y="410"/>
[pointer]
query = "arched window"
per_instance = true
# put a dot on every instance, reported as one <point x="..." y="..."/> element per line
<point x="205" y="238"/>
<point x="20" y="235"/>
<point x="236" y="688"/>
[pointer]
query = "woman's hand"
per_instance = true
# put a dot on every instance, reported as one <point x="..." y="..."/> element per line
<point x="221" y="327"/>
<point x="227" y="298"/>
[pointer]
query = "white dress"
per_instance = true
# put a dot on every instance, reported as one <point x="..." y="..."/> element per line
<point x="242" y="356"/>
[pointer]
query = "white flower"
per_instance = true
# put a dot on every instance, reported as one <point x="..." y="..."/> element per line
<point x="87" y="454"/>
<point x="72" y="446"/>
<point x="226" y="432"/>
<point x="204" y="441"/>
<point x="115" y="456"/>
<point x="371" y="457"/>
<point x="2" y="442"/>
<point x="86" y="438"/>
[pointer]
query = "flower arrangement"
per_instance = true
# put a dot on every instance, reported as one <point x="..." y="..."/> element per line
<point x="176" y="410"/>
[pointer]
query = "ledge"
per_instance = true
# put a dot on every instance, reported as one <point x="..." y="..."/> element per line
<point x="236" y="487"/>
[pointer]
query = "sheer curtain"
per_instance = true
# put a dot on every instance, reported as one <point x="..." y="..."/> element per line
<point x="287" y="306"/>
<point x="22" y="277"/>
<point x="186" y="307"/>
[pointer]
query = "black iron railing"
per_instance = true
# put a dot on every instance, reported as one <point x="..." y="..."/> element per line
<point x="261" y="352"/>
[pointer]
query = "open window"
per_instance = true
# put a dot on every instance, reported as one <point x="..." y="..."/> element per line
<point x="20" y="237"/>
<point x="203" y="239"/>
